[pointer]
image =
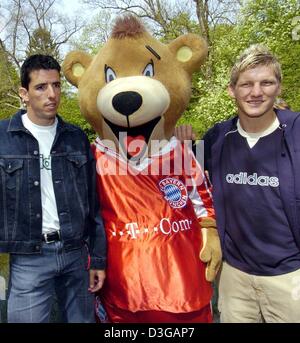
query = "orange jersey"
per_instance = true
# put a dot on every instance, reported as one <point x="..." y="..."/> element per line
<point x="152" y="215"/>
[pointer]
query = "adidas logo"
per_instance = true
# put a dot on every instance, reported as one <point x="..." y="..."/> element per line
<point x="252" y="180"/>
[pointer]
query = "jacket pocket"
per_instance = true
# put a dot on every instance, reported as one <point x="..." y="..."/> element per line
<point x="11" y="171"/>
<point x="77" y="160"/>
<point x="77" y="167"/>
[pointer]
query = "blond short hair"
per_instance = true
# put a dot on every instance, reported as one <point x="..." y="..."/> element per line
<point x="252" y="57"/>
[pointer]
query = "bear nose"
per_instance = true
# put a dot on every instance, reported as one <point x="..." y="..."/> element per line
<point x="127" y="103"/>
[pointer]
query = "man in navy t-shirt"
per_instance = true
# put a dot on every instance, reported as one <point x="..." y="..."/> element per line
<point x="253" y="161"/>
<point x="254" y="164"/>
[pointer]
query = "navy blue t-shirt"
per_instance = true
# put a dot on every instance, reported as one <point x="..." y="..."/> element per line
<point x="258" y="239"/>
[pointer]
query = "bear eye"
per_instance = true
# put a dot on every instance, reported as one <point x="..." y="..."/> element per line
<point x="110" y="75"/>
<point x="149" y="69"/>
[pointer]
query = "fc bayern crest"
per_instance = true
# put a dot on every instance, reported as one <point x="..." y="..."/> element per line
<point x="174" y="191"/>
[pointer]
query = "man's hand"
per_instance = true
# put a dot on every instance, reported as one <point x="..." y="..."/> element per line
<point x="211" y="252"/>
<point x="96" y="280"/>
<point x="184" y="132"/>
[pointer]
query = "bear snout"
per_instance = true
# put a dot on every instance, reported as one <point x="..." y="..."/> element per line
<point x="127" y="103"/>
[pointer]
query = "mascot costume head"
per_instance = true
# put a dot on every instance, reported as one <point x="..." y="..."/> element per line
<point x="135" y="85"/>
<point x="133" y="92"/>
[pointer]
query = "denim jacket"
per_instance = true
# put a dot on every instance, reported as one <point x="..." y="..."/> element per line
<point x="73" y="175"/>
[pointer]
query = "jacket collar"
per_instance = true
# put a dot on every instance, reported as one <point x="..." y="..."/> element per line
<point x="285" y="117"/>
<point x="16" y="124"/>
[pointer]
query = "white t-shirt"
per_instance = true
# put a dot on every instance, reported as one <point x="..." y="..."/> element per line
<point x="45" y="137"/>
<point x="252" y="138"/>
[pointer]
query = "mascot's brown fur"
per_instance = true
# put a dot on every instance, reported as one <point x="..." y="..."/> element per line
<point x="139" y="86"/>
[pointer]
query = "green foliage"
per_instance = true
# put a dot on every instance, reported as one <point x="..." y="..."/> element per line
<point x="9" y="101"/>
<point x="41" y="42"/>
<point x="270" y="22"/>
<point x="179" y="25"/>
<point x="70" y="112"/>
<point x="213" y="104"/>
<point x="261" y="21"/>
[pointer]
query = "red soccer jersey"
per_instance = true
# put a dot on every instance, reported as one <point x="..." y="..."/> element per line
<point x="152" y="214"/>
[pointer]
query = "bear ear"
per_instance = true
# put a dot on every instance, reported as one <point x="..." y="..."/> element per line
<point x="74" y="66"/>
<point x="190" y="50"/>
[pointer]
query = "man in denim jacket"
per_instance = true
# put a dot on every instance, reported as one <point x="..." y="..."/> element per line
<point x="48" y="203"/>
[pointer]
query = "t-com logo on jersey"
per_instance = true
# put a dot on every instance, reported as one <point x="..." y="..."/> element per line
<point x="252" y="180"/>
<point x="174" y="192"/>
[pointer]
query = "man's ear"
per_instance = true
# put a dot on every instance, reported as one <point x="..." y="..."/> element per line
<point x="230" y="91"/>
<point x="74" y="66"/>
<point x="190" y="50"/>
<point x="23" y="93"/>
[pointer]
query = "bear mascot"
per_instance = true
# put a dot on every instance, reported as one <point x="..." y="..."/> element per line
<point x="163" y="246"/>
